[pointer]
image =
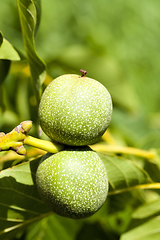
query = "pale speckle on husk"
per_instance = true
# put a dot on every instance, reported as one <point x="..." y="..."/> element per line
<point x="72" y="183"/>
<point x="75" y="110"/>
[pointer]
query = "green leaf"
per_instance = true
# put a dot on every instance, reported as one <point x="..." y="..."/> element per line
<point x="7" y="51"/>
<point x="20" y="204"/>
<point x="54" y="228"/>
<point x="1" y="39"/>
<point x="28" y="18"/>
<point x="4" y="69"/>
<point x="147" y="231"/>
<point x="37" y="4"/>
<point x="7" y="54"/>
<point x="123" y="174"/>
<point x="147" y="210"/>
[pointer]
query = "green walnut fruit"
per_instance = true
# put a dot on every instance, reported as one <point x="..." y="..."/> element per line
<point x="72" y="183"/>
<point x="75" y="110"/>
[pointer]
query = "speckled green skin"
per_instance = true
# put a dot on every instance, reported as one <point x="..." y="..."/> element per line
<point x="75" y="110"/>
<point x="73" y="183"/>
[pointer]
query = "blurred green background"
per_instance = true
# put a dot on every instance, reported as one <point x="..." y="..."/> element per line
<point x="117" y="42"/>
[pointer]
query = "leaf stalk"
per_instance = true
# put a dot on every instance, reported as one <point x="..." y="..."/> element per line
<point x="17" y="138"/>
